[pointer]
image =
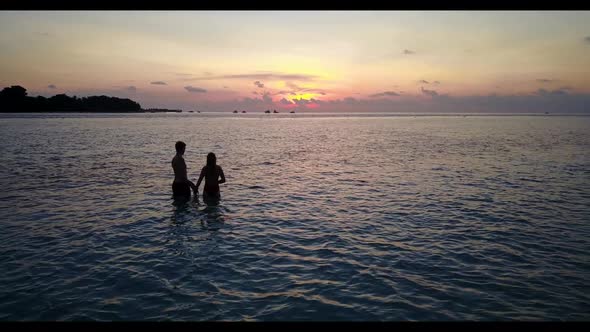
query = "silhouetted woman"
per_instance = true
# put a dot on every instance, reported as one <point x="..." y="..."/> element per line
<point x="211" y="172"/>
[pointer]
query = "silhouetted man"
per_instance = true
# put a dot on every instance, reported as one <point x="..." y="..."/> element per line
<point x="181" y="187"/>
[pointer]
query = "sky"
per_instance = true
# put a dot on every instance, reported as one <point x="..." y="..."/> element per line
<point x="308" y="61"/>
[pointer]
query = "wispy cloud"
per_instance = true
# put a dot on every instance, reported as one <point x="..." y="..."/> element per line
<point x="385" y="94"/>
<point x="226" y="87"/>
<point x="543" y="92"/>
<point x="408" y="52"/>
<point x="131" y="88"/>
<point x="259" y="77"/>
<point x="52" y="86"/>
<point x="428" y="82"/>
<point x="259" y="84"/>
<point x="193" y="89"/>
<point x="546" y="80"/>
<point x="298" y="89"/>
<point x="431" y="93"/>
<point x="159" y="83"/>
<point x="587" y="39"/>
<point x="284" y="92"/>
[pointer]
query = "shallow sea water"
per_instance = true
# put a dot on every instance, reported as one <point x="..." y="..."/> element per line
<point x="323" y="217"/>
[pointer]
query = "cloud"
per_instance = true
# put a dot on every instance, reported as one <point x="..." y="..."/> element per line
<point x="537" y="102"/>
<point x="259" y="84"/>
<point x="308" y="103"/>
<point x="285" y="102"/>
<point x="408" y="52"/>
<point x="436" y="82"/>
<point x="431" y="93"/>
<point x="587" y="39"/>
<point x="534" y="101"/>
<point x="284" y="92"/>
<point x="51" y="86"/>
<point x="225" y="87"/>
<point x="158" y="83"/>
<point x="254" y="92"/>
<point x="194" y="89"/>
<point x="546" y="80"/>
<point x="182" y="74"/>
<point x="260" y="77"/>
<point x="131" y="88"/>
<point x="297" y="89"/>
<point x="293" y="86"/>
<point x="423" y="82"/>
<point x="266" y="97"/>
<point x="544" y="93"/>
<point x="350" y="100"/>
<point x="385" y="94"/>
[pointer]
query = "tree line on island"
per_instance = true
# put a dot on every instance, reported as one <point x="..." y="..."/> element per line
<point x="15" y="99"/>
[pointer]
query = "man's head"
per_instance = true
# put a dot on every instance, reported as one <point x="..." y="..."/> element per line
<point x="180" y="146"/>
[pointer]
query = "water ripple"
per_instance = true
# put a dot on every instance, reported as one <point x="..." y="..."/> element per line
<point x="322" y="218"/>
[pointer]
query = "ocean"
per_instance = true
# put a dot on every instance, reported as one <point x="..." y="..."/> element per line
<point x="356" y="217"/>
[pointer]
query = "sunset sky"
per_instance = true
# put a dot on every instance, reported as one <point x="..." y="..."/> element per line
<point x="305" y="60"/>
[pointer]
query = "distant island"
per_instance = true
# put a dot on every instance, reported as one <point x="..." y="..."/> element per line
<point x="14" y="99"/>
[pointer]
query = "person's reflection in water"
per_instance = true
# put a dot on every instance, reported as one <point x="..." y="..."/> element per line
<point x="214" y="176"/>
<point x="183" y="209"/>
<point x="211" y="214"/>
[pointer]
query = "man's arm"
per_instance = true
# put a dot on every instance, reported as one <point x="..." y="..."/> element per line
<point x="182" y="166"/>
<point x="179" y="170"/>
<point x="184" y="172"/>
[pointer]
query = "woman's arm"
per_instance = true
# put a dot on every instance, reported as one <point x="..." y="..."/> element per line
<point x="201" y="176"/>
<point x="221" y="175"/>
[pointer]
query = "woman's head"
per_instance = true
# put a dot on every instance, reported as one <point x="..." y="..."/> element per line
<point x="211" y="159"/>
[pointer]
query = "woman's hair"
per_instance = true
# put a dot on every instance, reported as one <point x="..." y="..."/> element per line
<point x="211" y="162"/>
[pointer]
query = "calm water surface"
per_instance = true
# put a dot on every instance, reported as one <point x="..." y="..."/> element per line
<point x="322" y="218"/>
